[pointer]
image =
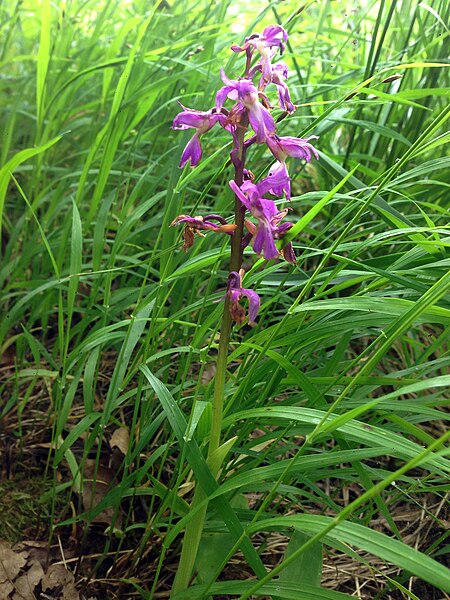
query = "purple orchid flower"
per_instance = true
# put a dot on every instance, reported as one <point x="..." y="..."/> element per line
<point x="201" y="121"/>
<point x="265" y="211"/>
<point x="194" y="225"/>
<point x="282" y="147"/>
<point x="287" y="251"/>
<point x="277" y="182"/>
<point x="246" y="95"/>
<point x="279" y="77"/>
<point x="279" y="230"/>
<point x="272" y="39"/>
<point x="235" y="291"/>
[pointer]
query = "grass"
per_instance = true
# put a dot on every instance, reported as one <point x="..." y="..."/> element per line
<point x="108" y="324"/>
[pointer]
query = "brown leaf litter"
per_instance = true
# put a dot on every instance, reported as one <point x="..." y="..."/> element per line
<point x="24" y="574"/>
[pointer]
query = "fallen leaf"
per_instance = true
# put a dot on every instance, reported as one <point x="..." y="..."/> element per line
<point x="35" y="551"/>
<point x="121" y="439"/>
<point x="6" y="588"/>
<point x="60" y="581"/>
<point x="10" y="563"/>
<point x="8" y="358"/>
<point x="21" y="572"/>
<point x="97" y="482"/>
<point x="25" y="584"/>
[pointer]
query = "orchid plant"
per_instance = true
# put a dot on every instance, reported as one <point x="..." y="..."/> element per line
<point x="249" y="121"/>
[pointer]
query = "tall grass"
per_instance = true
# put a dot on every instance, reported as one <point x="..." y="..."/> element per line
<point x="339" y="391"/>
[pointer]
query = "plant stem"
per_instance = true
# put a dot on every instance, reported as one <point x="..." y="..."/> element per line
<point x="225" y="329"/>
<point x="191" y="542"/>
<point x="194" y="528"/>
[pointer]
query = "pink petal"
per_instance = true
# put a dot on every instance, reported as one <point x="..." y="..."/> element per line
<point x="192" y="152"/>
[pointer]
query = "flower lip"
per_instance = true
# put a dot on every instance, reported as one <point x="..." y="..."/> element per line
<point x="234" y="293"/>
<point x="279" y="77"/>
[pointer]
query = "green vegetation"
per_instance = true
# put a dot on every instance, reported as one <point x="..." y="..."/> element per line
<point x="335" y="403"/>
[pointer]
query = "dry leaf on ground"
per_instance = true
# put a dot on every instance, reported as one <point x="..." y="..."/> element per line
<point x="10" y="562"/>
<point x="97" y="481"/>
<point x="22" y="574"/>
<point x="59" y="578"/>
<point x="10" y="565"/>
<point x="120" y="439"/>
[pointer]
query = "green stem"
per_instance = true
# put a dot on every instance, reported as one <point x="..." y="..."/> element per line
<point x="225" y="329"/>
<point x="194" y="528"/>
<point x="219" y="383"/>
<point x="191" y="542"/>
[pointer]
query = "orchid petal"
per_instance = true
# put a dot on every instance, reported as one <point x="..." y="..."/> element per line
<point x="254" y="303"/>
<point x="264" y="242"/>
<point x="262" y="122"/>
<point x="236" y="189"/>
<point x="225" y="92"/>
<point x="192" y="152"/>
<point x="277" y="183"/>
<point x="289" y="254"/>
<point x="274" y="34"/>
